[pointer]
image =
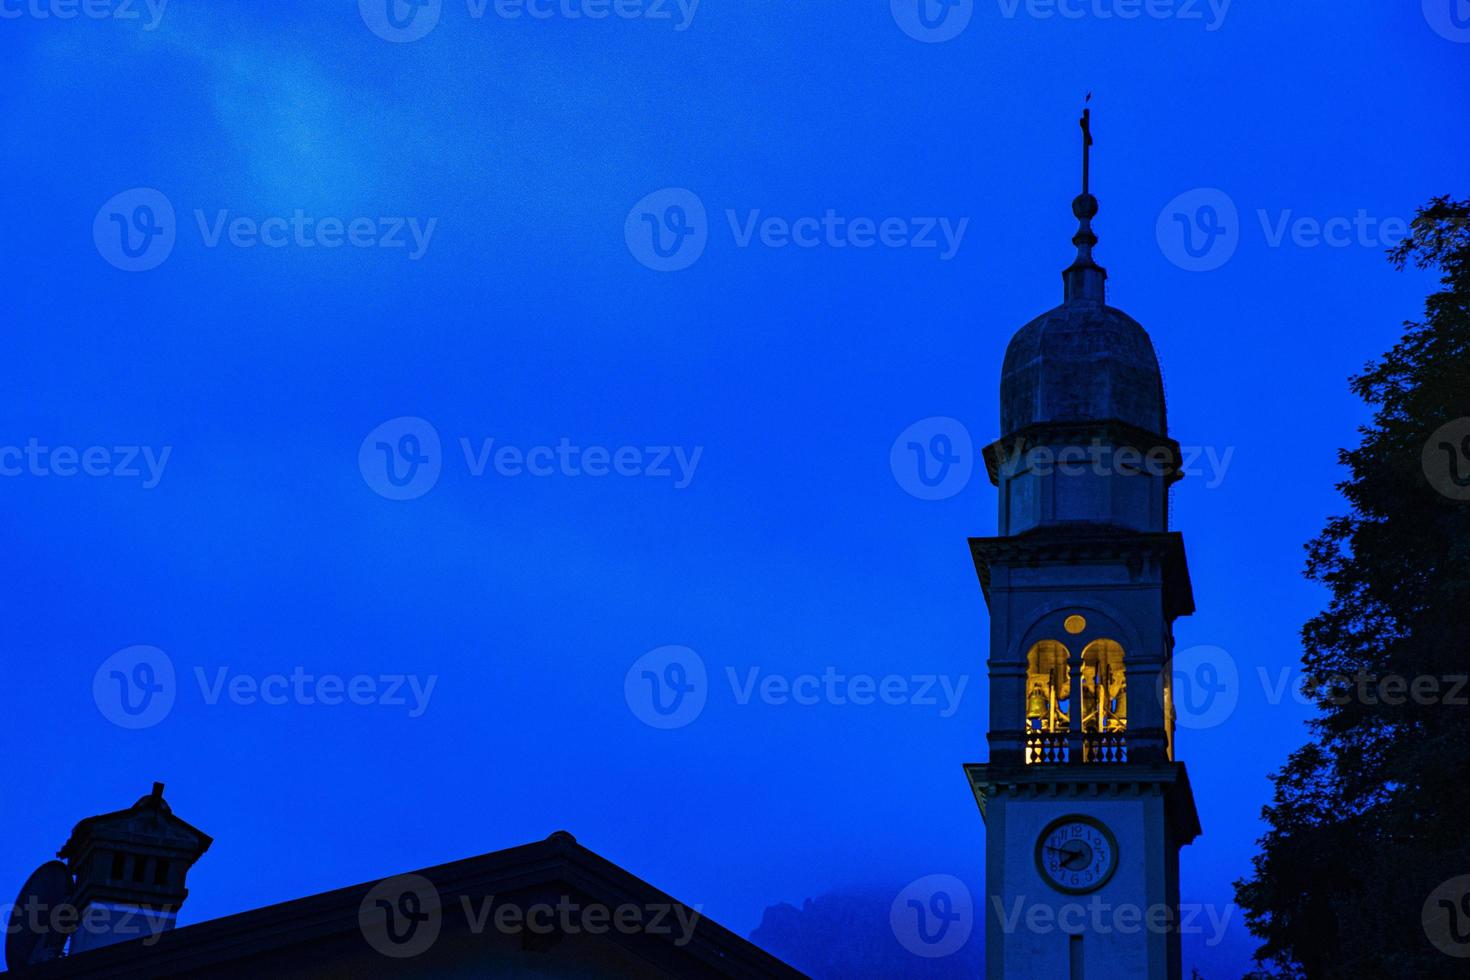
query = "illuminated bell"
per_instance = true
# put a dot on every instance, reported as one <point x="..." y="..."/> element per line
<point x="1036" y="704"/>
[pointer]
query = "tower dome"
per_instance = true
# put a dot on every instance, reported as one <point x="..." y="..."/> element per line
<point x="1083" y="361"/>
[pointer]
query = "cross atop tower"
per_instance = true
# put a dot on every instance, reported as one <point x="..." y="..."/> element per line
<point x="1085" y="280"/>
<point x="1086" y="143"/>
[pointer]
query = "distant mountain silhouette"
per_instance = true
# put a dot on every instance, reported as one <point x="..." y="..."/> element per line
<point x="846" y="935"/>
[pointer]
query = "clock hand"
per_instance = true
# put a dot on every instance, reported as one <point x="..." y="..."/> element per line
<point x="1069" y="854"/>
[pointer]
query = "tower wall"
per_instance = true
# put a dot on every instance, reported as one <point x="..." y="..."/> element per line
<point x="1084" y="581"/>
<point x="1125" y="927"/>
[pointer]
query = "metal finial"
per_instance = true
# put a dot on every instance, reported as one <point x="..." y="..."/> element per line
<point x="1085" y="279"/>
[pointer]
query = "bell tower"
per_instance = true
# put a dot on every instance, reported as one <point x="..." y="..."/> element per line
<point x="1084" y="803"/>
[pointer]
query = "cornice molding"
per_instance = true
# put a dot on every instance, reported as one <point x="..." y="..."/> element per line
<point x="1107" y="431"/>
<point x="1077" y="543"/>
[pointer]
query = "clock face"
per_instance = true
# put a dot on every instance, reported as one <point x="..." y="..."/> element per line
<point x="1076" y="854"/>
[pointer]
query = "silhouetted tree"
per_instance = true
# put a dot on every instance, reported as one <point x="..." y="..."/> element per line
<point x="1370" y="817"/>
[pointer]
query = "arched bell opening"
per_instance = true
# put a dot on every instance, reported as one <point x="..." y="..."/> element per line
<point x="1104" y="702"/>
<point x="1049" y="708"/>
<point x="1104" y="687"/>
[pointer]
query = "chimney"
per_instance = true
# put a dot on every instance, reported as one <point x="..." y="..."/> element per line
<point x="129" y="868"/>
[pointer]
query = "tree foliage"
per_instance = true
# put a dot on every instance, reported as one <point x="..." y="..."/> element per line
<point x="1373" y="813"/>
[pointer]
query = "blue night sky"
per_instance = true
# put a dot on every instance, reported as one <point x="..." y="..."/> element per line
<point x="533" y="317"/>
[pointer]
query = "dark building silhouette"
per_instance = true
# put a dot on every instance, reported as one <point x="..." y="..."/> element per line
<point x="548" y="909"/>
